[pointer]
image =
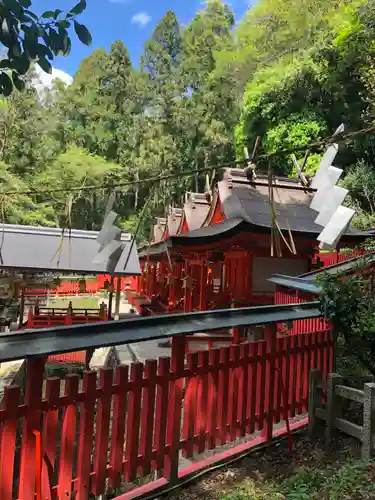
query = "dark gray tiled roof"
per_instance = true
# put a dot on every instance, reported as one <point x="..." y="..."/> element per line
<point x="247" y="208"/>
<point x="291" y="203"/>
<point x="37" y="248"/>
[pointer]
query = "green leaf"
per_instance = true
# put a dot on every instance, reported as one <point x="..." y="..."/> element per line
<point x="65" y="41"/>
<point x="78" y="9"/>
<point x="48" y="14"/>
<point x="45" y="65"/>
<point x="54" y="41"/>
<point x="67" y="46"/>
<point x="83" y="33"/>
<point x="25" y="3"/>
<point x="21" y="64"/>
<point x="63" y="24"/>
<point x="44" y="51"/>
<point x="32" y="15"/>
<point x="15" y="50"/>
<point x="14" y="7"/>
<point x="30" y="42"/>
<point x="7" y="34"/>
<point x="6" y="85"/>
<point x="5" y="28"/>
<point x="18" y="82"/>
<point x="57" y="13"/>
<point x="4" y="63"/>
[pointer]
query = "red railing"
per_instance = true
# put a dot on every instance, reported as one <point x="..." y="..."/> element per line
<point x="332" y="258"/>
<point x="102" y="436"/>
<point x="71" y="287"/>
<point x="291" y="296"/>
<point x="54" y="317"/>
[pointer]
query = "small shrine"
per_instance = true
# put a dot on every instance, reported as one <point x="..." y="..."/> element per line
<point x="229" y="242"/>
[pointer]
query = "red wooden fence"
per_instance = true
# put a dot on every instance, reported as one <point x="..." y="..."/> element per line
<point x="121" y="430"/>
<point x="284" y="295"/>
<point x="332" y="258"/>
<point x="72" y="287"/>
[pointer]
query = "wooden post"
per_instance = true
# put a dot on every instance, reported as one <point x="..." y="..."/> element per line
<point x="118" y="298"/>
<point x="33" y="396"/>
<point x="175" y="409"/>
<point x="270" y="337"/>
<point x="22" y="306"/>
<point x="110" y="299"/>
<point x="203" y="286"/>
<point x="368" y="421"/>
<point x="333" y="405"/>
<point x="315" y="398"/>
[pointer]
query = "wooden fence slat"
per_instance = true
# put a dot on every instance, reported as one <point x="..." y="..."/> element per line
<point x="133" y="421"/>
<point x="308" y="349"/>
<point x="301" y="372"/>
<point x="326" y="353"/>
<point x="33" y="396"/>
<point x="278" y="377"/>
<point x="86" y="435"/>
<point x="293" y="375"/>
<point x="243" y="387"/>
<point x="102" y="431"/>
<point x="253" y="384"/>
<point x="148" y="413"/>
<point x="190" y="405"/>
<point x="49" y="433"/>
<point x="68" y="438"/>
<point x="8" y="436"/>
<point x="214" y="358"/>
<point x="161" y="411"/>
<point x="118" y="427"/>
<point x="285" y="372"/>
<point x="270" y="364"/>
<point x="233" y="391"/>
<point x="202" y="395"/>
<point x="261" y="384"/>
<point x="222" y="398"/>
<point x="321" y="353"/>
<point x="314" y="358"/>
<point x="174" y="409"/>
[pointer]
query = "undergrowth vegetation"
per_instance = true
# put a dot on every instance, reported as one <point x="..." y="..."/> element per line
<point x="354" y="480"/>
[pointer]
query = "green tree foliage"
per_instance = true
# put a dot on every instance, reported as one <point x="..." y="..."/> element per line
<point x="289" y="72"/>
<point x="29" y="38"/>
<point x="350" y="307"/>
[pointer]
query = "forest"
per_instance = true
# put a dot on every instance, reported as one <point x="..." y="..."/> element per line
<point x="288" y="72"/>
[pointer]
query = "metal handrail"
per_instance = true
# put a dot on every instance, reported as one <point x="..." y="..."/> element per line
<point x="48" y="341"/>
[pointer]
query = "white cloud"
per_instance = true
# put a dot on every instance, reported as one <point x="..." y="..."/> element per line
<point x="141" y="18"/>
<point x="45" y="80"/>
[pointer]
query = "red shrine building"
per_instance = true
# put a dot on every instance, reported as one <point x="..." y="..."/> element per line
<point x="220" y="249"/>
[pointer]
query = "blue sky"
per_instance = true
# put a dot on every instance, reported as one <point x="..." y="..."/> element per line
<point x="131" y="21"/>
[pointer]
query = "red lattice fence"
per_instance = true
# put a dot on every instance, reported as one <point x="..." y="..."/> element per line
<point x="124" y="428"/>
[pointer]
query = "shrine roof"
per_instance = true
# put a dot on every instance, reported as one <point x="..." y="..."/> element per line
<point x="291" y="204"/>
<point x="158" y="229"/>
<point x="247" y="208"/>
<point x="173" y="220"/>
<point x="34" y="248"/>
<point x="196" y="208"/>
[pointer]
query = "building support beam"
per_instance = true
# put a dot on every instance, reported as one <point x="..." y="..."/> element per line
<point x="118" y="299"/>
